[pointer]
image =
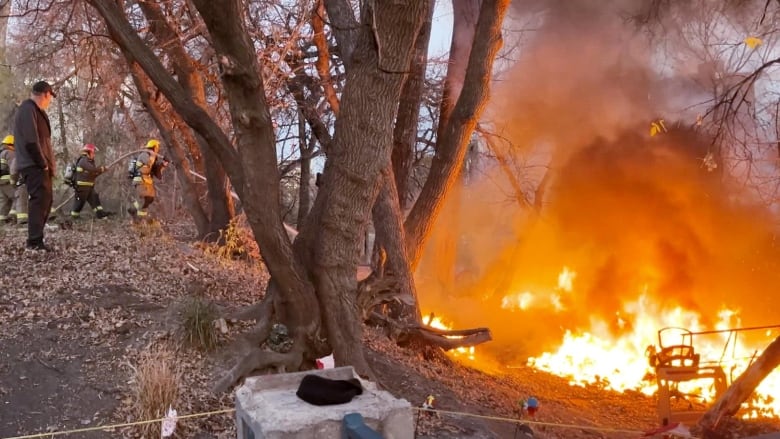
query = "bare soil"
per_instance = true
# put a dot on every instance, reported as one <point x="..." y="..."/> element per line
<point x="73" y="323"/>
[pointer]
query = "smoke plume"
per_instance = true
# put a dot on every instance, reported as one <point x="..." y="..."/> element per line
<point x="636" y="217"/>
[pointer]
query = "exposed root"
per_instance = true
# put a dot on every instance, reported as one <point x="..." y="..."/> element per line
<point x="375" y="291"/>
<point x="259" y="359"/>
<point x="259" y="311"/>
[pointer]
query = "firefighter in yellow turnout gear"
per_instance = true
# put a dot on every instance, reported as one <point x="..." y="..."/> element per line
<point x="84" y="183"/>
<point x="7" y="183"/>
<point x="148" y="164"/>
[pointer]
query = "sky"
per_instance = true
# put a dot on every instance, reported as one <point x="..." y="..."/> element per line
<point x="441" y="31"/>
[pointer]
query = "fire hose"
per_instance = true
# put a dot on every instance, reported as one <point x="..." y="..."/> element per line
<point x="121" y="157"/>
<point x="290" y="230"/>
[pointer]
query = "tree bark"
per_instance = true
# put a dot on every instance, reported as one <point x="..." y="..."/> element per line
<point x="323" y="55"/>
<point x="741" y="389"/>
<point x="454" y="133"/>
<point x="304" y="187"/>
<point x="465" y="18"/>
<point x="388" y="229"/>
<point x="351" y="178"/>
<point x="345" y="28"/>
<point x="407" y="122"/>
<point x="256" y="145"/>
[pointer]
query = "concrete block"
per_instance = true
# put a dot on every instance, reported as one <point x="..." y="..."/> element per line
<point x="267" y="408"/>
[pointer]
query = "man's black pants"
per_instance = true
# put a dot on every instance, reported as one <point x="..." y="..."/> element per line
<point x="39" y="188"/>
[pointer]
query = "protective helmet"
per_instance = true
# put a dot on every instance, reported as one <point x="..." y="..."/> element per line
<point x="89" y="148"/>
<point x="152" y="143"/>
<point x="8" y="140"/>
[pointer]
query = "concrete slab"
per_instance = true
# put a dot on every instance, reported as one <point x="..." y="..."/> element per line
<point x="267" y="408"/>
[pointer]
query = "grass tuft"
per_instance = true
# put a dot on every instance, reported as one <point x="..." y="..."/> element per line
<point x="198" y="317"/>
<point x="156" y="382"/>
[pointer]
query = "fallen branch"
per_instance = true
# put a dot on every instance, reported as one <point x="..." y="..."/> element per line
<point x="445" y="339"/>
<point x="741" y="389"/>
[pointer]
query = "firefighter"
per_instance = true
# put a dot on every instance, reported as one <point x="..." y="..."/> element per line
<point x="148" y="164"/>
<point x="7" y="186"/>
<point x="85" y="174"/>
<point x="20" y="195"/>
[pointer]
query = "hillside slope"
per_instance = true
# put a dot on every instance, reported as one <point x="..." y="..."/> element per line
<point x="76" y="321"/>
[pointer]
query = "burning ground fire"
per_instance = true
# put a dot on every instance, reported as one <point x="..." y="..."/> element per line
<point x="620" y="363"/>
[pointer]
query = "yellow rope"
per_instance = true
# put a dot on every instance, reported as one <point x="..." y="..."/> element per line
<point x="420" y="409"/>
<point x="523" y="421"/>
<point x="113" y="426"/>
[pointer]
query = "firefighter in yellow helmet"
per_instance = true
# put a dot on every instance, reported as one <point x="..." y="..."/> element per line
<point x="7" y="185"/>
<point x="148" y="164"/>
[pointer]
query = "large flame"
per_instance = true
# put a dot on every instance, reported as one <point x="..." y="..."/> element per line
<point x="620" y="363"/>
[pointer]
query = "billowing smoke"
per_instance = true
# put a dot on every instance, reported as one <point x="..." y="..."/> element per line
<point x="633" y="215"/>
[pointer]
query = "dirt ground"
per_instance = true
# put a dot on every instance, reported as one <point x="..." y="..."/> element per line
<point x="75" y="321"/>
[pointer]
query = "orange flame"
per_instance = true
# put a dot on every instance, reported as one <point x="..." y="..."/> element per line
<point x="620" y="362"/>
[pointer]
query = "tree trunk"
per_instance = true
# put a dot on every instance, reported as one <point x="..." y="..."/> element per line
<point x="258" y="186"/>
<point x="345" y="28"/>
<point x="351" y="178"/>
<point x="221" y="208"/>
<point x="465" y="19"/>
<point x="407" y="122"/>
<point x="741" y="389"/>
<point x="454" y="132"/>
<point x="388" y="227"/>
<point x="304" y="187"/>
<point x="323" y="55"/>
<point x="252" y="165"/>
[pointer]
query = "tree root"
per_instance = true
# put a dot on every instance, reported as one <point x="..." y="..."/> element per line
<point x="257" y="311"/>
<point x="375" y="291"/>
<point x="259" y="359"/>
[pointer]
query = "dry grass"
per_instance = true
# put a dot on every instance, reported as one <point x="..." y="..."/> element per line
<point x="156" y="382"/>
<point x="197" y="324"/>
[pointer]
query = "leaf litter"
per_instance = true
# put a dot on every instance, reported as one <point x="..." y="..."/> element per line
<point x="77" y="322"/>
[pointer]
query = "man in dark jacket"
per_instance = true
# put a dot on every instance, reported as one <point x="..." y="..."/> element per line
<point x="35" y="159"/>
<point x="86" y="173"/>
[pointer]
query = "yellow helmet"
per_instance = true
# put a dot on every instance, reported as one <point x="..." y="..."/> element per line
<point x="8" y="140"/>
<point x="153" y="143"/>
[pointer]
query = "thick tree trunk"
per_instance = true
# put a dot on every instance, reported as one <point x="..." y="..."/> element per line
<point x="259" y="187"/>
<point x="351" y="178"/>
<point x="741" y="389"/>
<point x="454" y="133"/>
